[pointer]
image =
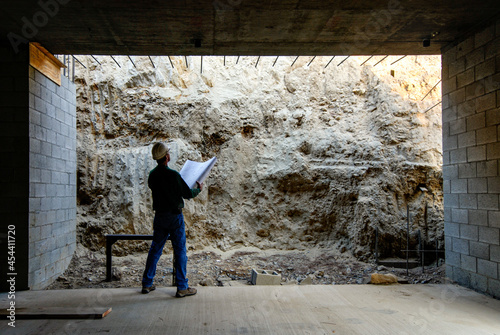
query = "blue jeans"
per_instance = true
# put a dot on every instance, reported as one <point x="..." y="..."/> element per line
<point x="167" y="225"/>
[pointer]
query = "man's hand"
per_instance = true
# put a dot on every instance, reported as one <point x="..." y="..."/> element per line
<point x="200" y="186"/>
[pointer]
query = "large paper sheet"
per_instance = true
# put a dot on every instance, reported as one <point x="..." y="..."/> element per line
<point x="193" y="172"/>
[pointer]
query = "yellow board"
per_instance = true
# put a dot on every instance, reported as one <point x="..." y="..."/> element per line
<point x="46" y="63"/>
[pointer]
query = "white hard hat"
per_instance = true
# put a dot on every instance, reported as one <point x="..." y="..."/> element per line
<point x="159" y="150"/>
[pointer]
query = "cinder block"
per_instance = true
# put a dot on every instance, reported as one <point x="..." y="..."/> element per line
<point x="457" y="66"/>
<point x="477" y="121"/>
<point x="489" y="235"/>
<point x="478" y="217"/>
<point x="479" y="250"/>
<point x="467" y="170"/>
<point x="445" y="102"/>
<point x="468" y="263"/>
<point x="450" y="55"/>
<point x="56" y="102"/>
<point x="446" y="186"/>
<point x="459" y="215"/>
<point x="467" y="139"/>
<point x="488" y="201"/>
<point x="457" y="97"/>
<point x="491" y="49"/>
<point x="494" y="219"/>
<point x="458" y="156"/>
<point x="449" y="271"/>
<point x="493" y="151"/>
<point x="265" y="277"/>
<point x="451" y="200"/>
<point x="450" y="143"/>
<point x="457" y="126"/>
<point x="494" y="185"/>
<point x="474" y="58"/>
<point x="474" y="90"/>
<point x="487" y="135"/>
<point x="461" y="276"/>
<point x="465" y="78"/>
<point x="478" y="185"/>
<point x="487" y="268"/>
<point x="485" y="69"/>
<point x="466" y="109"/>
<point x="495" y="253"/>
<point x="468" y="232"/>
<point x="458" y="185"/>
<point x="448" y="243"/>
<point x="494" y="287"/>
<point x="483" y="103"/>
<point x="452" y="258"/>
<point x="449" y="85"/>
<point x="460" y="245"/>
<point x="464" y="47"/>
<point x="478" y="282"/>
<point x="468" y="201"/>
<point x="447" y="214"/>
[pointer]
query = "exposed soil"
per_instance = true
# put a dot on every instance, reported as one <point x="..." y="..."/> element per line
<point x="216" y="268"/>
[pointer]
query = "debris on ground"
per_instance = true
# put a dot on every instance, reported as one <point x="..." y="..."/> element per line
<point x="215" y="268"/>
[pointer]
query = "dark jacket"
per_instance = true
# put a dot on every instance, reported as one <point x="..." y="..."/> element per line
<point x="169" y="189"/>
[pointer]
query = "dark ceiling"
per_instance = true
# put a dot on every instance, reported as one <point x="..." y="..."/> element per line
<point x="242" y="27"/>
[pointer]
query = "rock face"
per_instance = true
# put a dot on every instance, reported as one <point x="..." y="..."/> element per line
<point x="307" y="155"/>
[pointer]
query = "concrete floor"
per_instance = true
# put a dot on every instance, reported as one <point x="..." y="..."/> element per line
<point x="318" y="309"/>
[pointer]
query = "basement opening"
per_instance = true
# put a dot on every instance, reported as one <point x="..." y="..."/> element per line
<point x="329" y="168"/>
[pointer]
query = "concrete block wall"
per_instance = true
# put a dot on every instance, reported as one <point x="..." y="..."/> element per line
<point x="52" y="178"/>
<point x="14" y="170"/>
<point x="38" y="172"/>
<point x="471" y="153"/>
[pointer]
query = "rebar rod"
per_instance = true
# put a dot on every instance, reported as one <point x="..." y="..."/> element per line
<point x="398" y="60"/>
<point x="151" y="61"/>
<point x="380" y="61"/>
<point x="431" y="90"/>
<point x="115" y="61"/>
<point x="329" y="62"/>
<point x="366" y="60"/>
<point x="311" y="61"/>
<point x="343" y="60"/>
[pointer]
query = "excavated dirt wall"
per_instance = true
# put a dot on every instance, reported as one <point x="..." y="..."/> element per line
<point x="307" y="155"/>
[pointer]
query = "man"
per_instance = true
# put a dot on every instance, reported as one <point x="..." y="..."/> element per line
<point x="169" y="190"/>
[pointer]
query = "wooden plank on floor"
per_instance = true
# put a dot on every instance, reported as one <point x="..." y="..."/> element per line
<point x="59" y="313"/>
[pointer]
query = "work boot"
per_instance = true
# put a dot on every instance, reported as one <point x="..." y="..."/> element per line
<point x="146" y="290"/>
<point x="186" y="292"/>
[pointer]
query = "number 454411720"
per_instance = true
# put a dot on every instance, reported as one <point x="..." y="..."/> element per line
<point x="11" y="247"/>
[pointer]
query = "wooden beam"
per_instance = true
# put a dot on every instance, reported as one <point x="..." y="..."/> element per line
<point x="46" y="63"/>
<point x="59" y="313"/>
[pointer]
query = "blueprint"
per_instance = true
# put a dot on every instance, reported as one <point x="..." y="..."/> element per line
<point x="193" y="172"/>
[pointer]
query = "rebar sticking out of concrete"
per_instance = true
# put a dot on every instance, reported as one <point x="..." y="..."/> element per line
<point x="113" y="58"/>
<point x="311" y="61"/>
<point x="151" y="61"/>
<point x="343" y="60"/>
<point x="398" y="60"/>
<point x="366" y="60"/>
<point x="380" y="61"/>
<point x="131" y="61"/>
<point x="329" y="61"/>
<point x="95" y="59"/>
